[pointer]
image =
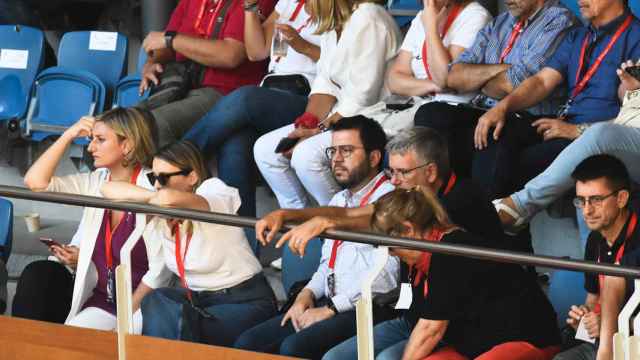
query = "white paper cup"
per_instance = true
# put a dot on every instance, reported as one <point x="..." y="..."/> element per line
<point x="33" y="222"/>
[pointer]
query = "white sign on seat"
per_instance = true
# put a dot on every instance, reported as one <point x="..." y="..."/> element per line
<point x="14" y="59"/>
<point x="103" y="41"/>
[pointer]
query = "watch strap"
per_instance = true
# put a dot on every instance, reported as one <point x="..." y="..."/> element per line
<point x="168" y="39"/>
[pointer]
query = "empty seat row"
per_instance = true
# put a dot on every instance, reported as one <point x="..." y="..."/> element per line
<point x="89" y="73"/>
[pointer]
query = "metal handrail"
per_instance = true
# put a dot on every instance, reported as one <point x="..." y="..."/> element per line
<point x="359" y="237"/>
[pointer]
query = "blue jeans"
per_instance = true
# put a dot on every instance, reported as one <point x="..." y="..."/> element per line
<point x="389" y="340"/>
<point x="604" y="138"/>
<point x="309" y="343"/>
<point x="233" y="311"/>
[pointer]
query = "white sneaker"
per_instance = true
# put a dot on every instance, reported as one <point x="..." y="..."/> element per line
<point x="277" y="264"/>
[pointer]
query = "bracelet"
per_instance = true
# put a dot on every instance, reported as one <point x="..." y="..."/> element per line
<point x="307" y="120"/>
<point x="249" y="6"/>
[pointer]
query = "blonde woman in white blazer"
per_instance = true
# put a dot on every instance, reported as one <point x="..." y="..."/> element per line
<point x="122" y="147"/>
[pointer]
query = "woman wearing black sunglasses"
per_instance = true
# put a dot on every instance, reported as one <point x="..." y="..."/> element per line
<point x="222" y="290"/>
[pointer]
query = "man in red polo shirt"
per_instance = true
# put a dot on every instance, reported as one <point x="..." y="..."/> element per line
<point x="189" y="36"/>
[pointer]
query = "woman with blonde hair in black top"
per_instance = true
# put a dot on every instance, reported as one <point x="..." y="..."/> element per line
<point x="479" y="309"/>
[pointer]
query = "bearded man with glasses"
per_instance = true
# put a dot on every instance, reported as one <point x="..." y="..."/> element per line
<point x="603" y="195"/>
<point x="418" y="156"/>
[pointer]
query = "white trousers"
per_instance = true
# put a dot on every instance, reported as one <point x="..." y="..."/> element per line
<point x="308" y="170"/>
<point x="96" y="318"/>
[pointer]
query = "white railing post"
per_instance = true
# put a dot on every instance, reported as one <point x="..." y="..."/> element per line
<point x="625" y="343"/>
<point x="124" y="289"/>
<point x="364" y="306"/>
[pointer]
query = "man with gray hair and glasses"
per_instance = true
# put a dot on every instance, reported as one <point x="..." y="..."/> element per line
<point x="417" y="157"/>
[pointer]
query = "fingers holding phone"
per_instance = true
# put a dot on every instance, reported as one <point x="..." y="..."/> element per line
<point x="67" y="254"/>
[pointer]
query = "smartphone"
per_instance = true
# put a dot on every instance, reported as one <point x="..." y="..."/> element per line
<point x="49" y="242"/>
<point x="634" y="71"/>
<point x="285" y="144"/>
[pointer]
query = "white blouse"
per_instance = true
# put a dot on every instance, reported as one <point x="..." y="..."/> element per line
<point x="352" y="68"/>
<point x="218" y="256"/>
<point x="294" y="62"/>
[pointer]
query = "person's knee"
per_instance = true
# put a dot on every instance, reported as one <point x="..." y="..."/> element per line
<point x="436" y="115"/>
<point x="263" y="150"/>
<point x="246" y="341"/>
<point x="602" y="133"/>
<point x="292" y="346"/>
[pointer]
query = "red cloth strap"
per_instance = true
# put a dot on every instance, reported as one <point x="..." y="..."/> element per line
<point x="307" y="121"/>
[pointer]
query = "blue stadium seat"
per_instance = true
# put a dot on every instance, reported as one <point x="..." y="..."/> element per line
<point x="16" y="84"/>
<point x="76" y="87"/>
<point x="566" y="288"/>
<point x="403" y="11"/>
<point x="6" y="228"/>
<point x="126" y="92"/>
<point x="60" y="97"/>
<point x="295" y="268"/>
<point x="108" y="66"/>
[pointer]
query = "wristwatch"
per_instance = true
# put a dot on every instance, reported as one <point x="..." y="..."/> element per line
<point x="582" y="128"/>
<point x="332" y="306"/>
<point x="250" y="6"/>
<point x="168" y="38"/>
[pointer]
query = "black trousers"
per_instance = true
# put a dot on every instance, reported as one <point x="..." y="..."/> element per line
<point x="505" y="165"/>
<point x="44" y="292"/>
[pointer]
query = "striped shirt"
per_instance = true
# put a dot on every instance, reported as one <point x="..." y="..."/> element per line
<point x="542" y="34"/>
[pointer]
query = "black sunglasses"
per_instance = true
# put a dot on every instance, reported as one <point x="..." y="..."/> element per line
<point x="163" y="178"/>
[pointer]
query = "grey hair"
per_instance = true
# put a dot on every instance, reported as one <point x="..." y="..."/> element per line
<point x="426" y="143"/>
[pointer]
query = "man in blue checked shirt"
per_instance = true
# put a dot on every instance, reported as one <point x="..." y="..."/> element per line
<point x="509" y="50"/>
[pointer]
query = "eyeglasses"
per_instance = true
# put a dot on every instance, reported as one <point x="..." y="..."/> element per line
<point x="163" y="178"/>
<point x="401" y="174"/>
<point x="595" y="201"/>
<point x="344" y="150"/>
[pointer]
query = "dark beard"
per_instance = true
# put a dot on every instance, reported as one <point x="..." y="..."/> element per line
<point x="356" y="176"/>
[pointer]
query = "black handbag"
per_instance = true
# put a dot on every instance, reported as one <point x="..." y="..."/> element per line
<point x="178" y="78"/>
<point x="294" y="83"/>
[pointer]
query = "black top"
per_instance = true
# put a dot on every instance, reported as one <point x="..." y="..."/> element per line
<point x="598" y="248"/>
<point x="469" y="207"/>
<point x="486" y="303"/>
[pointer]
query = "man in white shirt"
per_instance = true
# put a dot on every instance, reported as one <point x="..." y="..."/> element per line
<point x="323" y="313"/>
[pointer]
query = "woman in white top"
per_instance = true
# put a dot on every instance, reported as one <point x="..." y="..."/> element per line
<point x="222" y="290"/>
<point x="440" y="32"/>
<point x="121" y="145"/>
<point x="230" y="127"/>
<point x="359" y="38"/>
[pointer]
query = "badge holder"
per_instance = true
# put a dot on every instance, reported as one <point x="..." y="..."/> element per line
<point x="364" y="306"/>
<point x="626" y="345"/>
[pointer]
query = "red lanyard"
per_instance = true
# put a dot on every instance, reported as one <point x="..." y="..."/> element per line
<point x="581" y="84"/>
<point x="515" y="34"/>
<point x="181" y="259"/>
<point x="363" y="202"/>
<point x="455" y="11"/>
<point x="630" y="229"/>
<point x="198" y="25"/>
<point x="296" y="11"/>
<point x="450" y="184"/>
<point x="108" y="233"/>
<point x="435" y="234"/>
